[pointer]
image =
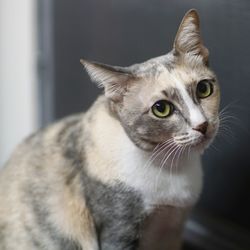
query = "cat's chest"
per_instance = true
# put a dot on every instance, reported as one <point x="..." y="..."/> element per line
<point x="178" y="186"/>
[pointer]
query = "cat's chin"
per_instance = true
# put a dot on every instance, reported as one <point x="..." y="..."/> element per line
<point x="201" y="144"/>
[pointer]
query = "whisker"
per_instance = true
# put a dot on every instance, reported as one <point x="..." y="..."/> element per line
<point x="214" y="147"/>
<point x="158" y="152"/>
<point x="171" y="166"/>
<point x="181" y="154"/>
<point x="229" y="105"/>
<point x="164" y="160"/>
<point x="226" y="116"/>
<point x="173" y="148"/>
<point x="183" y="143"/>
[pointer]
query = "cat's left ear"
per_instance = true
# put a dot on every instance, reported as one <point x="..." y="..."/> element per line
<point x="114" y="79"/>
<point x="188" y="38"/>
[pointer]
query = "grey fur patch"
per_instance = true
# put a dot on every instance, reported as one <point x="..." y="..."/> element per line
<point x="155" y="66"/>
<point x="69" y="123"/>
<point x="33" y="238"/>
<point x="192" y="92"/>
<point x="117" y="211"/>
<point x="69" y="141"/>
<point x="164" y="92"/>
<point x="177" y="97"/>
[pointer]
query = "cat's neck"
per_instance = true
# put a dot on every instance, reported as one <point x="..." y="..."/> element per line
<point x="116" y="158"/>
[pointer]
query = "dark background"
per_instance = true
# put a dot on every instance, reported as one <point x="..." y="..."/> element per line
<point x="123" y="32"/>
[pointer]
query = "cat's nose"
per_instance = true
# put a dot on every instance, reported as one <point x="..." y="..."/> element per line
<point x="202" y="128"/>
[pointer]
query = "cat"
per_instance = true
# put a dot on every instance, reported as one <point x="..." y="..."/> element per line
<point x="124" y="175"/>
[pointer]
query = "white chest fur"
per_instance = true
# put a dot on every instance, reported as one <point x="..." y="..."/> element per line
<point x="115" y="157"/>
<point x="180" y="187"/>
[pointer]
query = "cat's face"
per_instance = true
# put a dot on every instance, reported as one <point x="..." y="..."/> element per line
<point x="172" y="99"/>
<point x="180" y="103"/>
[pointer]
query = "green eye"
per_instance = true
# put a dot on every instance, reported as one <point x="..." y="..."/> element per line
<point x="162" y="108"/>
<point x="204" y="89"/>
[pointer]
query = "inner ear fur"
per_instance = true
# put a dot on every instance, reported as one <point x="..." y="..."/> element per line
<point x="188" y="38"/>
<point x="114" y="79"/>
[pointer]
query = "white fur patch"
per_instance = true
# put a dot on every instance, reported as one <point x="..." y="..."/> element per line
<point x="160" y="186"/>
<point x="196" y="117"/>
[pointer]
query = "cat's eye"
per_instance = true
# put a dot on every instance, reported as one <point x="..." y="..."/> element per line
<point x="162" y="108"/>
<point x="204" y="89"/>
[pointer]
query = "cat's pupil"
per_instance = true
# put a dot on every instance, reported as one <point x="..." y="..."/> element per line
<point x="202" y="87"/>
<point x="161" y="106"/>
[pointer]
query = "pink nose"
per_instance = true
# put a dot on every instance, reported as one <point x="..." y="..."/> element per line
<point x="202" y="128"/>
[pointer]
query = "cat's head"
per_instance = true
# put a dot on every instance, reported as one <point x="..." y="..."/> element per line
<point x="173" y="98"/>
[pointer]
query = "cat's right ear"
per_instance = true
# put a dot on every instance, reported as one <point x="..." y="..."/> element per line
<point x="188" y="38"/>
<point x="114" y="79"/>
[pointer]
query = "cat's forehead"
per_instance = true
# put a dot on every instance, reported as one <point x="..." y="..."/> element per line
<point x="171" y="70"/>
<point x="182" y="74"/>
<point x="162" y="81"/>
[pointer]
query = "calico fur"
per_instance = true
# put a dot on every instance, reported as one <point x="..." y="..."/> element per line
<point x="93" y="181"/>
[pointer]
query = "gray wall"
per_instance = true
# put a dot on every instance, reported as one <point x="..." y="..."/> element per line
<point x="124" y="32"/>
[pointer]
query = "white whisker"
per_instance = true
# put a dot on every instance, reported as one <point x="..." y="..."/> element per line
<point x="172" y="149"/>
<point x="156" y="152"/>
<point x="164" y="160"/>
